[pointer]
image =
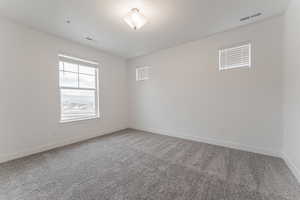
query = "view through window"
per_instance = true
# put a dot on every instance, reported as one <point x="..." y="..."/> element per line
<point x="78" y="83"/>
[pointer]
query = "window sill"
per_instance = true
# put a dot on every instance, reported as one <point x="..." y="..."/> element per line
<point x="78" y="120"/>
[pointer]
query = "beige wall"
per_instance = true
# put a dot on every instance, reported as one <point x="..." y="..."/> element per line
<point x="188" y="97"/>
<point x="29" y="103"/>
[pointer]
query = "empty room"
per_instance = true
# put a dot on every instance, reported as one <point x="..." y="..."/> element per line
<point x="150" y="100"/>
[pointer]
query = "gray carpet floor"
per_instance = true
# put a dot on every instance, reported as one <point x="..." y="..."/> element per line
<point x="136" y="165"/>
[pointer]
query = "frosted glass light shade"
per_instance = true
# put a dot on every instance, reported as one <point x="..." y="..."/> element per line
<point x="135" y="19"/>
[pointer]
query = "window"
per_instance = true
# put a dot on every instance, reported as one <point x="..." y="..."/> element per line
<point x="142" y="73"/>
<point x="78" y="85"/>
<point x="235" y="57"/>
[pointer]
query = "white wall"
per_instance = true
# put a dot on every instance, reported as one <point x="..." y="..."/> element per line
<point x="188" y="97"/>
<point x="29" y="102"/>
<point x="291" y="147"/>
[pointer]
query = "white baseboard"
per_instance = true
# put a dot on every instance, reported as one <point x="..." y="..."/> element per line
<point x="43" y="148"/>
<point x="228" y="144"/>
<point x="291" y="165"/>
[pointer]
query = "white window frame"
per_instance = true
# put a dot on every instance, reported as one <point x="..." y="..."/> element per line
<point x="87" y="63"/>
<point x="248" y="43"/>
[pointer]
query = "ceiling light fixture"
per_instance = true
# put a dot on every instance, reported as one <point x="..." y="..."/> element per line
<point x="135" y="19"/>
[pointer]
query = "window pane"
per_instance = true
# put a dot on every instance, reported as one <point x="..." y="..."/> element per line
<point x="70" y="67"/>
<point x="87" y="70"/>
<point x="77" y="104"/>
<point x="68" y="79"/>
<point x="86" y="81"/>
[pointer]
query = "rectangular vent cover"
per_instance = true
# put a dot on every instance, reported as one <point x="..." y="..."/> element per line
<point x="250" y="17"/>
<point x="142" y="73"/>
<point x="235" y="57"/>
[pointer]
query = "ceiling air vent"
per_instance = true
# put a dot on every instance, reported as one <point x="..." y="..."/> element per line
<point x="89" y="38"/>
<point x="250" y="17"/>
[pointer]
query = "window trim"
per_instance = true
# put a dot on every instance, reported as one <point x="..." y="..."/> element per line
<point x="83" y="62"/>
<point x="250" y="43"/>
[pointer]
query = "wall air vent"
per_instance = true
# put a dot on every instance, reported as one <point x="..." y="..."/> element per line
<point x="235" y="57"/>
<point x="142" y="73"/>
<point x="250" y="17"/>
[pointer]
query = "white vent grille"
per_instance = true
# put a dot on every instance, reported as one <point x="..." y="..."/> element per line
<point x="142" y="73"/>
<point x="235" y="57"/>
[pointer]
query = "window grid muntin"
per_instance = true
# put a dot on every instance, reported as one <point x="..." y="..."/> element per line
<point x="78" y="74"/>
<point x="95" y="89"/>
